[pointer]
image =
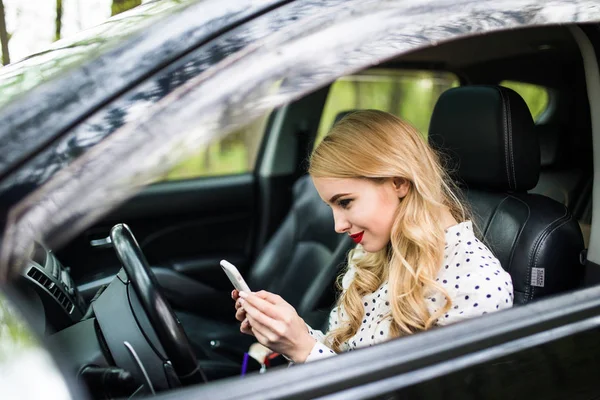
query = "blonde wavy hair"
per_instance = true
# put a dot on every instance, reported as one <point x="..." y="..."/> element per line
<point x="376" y="145"/>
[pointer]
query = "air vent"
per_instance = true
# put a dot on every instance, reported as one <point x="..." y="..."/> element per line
<point x="51" y="287"/>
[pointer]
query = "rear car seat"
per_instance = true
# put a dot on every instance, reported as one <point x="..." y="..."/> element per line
<point x="561" y="180"/>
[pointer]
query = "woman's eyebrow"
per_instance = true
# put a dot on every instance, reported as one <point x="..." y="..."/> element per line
<point x="337" y="196"/>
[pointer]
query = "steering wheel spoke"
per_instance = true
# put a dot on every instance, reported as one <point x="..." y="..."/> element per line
<point x="168" y="329"/>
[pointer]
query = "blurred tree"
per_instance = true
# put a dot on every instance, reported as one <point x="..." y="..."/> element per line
<point x="4" y="36"/>
<point x="59" y="14"/>
<point x="118" y="6"/>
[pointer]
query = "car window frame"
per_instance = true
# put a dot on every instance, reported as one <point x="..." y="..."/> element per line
<point x="420" y="357"/>
<point x="569" y="311"/>
<point x="425" y="25"/>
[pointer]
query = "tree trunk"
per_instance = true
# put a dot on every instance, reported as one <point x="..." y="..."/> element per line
<point x="396" y="98"/>
<point x="4" y="36"/>
<point x="59" y="14"/>
<point x="118" y="6"/>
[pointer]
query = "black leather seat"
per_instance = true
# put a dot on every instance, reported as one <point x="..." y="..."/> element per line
<point x="300" y="263"/>
<point x="487" y="134"/>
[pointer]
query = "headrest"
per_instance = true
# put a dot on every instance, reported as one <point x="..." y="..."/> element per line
<point x="341" y="115"/>
<point x="488" y="135"/>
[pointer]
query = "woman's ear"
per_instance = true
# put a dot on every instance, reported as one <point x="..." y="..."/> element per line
<point x="401" y="186"/>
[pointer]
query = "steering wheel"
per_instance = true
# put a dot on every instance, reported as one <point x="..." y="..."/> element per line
<point x="168" y="328"/>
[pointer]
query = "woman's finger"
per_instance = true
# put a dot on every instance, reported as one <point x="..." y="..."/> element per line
<point x="258" y="315"/>
<point x="263" y="331"/>
<point x="235" y="294"/>
<point x="246" y="327"/>
<point x="240" y="314"/>
<point x="261" y="339"/>
<point x="262" y="305"/>
<point x="270" y="297"/>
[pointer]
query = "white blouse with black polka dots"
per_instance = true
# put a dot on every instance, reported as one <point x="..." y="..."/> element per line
<point x="471" y="275"/>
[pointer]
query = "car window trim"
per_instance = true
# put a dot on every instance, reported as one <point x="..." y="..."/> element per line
<point x="422" y="356"/>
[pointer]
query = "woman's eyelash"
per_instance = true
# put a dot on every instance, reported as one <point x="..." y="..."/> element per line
<point x="344" y="203"/>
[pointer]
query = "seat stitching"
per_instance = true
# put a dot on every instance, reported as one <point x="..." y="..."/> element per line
<point x="487" y="228"/>
<point x="533" y="288"/>
<point x="542" y="237"/>
<point x="550" y="233"/>
<point x="504" y="132"/>
<point x="513" y="249"/>
<point x="543" y="233"/>
<point x="508" y="267"/>
<point x="510" y="138"/>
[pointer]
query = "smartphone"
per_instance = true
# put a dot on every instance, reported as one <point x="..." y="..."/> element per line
<point x="234" y="276"/>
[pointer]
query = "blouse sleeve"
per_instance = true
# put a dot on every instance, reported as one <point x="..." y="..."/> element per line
<point x="320" y="349"/>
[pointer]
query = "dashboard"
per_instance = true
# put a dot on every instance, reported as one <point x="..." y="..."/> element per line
<point x="45" y="275"/>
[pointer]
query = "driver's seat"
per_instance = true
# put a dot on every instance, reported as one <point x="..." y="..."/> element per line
<point x="487" y="134"/>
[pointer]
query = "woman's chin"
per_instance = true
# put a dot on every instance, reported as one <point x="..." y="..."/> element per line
<point x="371" y="247"/>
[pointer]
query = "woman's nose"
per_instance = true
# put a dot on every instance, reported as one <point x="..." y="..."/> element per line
<point x="341" y="224"/>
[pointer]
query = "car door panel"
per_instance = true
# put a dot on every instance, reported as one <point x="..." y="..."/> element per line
<point x="185" y="226"/>
<point x="561" y="369"/>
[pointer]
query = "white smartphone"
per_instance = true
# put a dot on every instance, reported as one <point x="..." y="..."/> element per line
<point x="234" y="276"/>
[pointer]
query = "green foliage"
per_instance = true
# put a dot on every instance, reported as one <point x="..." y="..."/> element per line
<point x="233" y="154"/>
<point x="535" y="96"/>
<point x="214" y="161"/>
<point x="58" y="20"/>
<point x="14" y="333"/>
<point x="410" y="95"/>
<point x="119" y="6"/>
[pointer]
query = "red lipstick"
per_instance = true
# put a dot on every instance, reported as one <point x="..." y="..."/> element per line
<point x="357" y="237"/>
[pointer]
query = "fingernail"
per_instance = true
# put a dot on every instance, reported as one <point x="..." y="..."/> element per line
<point x="242" y="301"/>
<point x="243" y="295"/>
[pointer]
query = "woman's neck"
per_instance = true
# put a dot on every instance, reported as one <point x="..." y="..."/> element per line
<point x="447" y="219"/>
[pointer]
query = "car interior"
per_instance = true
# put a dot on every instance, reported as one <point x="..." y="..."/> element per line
<point x="527" y="179"/>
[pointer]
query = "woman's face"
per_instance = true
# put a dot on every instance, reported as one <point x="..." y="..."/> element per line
<point x="362" y="208"/>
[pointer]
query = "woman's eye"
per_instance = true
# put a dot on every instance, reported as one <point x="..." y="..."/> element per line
<point x="344" y="203"/>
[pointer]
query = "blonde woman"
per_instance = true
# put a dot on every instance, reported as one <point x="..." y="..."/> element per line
<point x="417" y="263"/>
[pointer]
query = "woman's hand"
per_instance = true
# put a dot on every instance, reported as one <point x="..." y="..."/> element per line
<point x="240" y="313"/>
<point x="277" y="325"/>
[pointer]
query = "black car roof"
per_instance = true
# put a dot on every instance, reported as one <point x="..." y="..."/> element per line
<point x="46" y="94"/>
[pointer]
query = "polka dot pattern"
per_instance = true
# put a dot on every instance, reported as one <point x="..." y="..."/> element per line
<point x="470" y="274"/>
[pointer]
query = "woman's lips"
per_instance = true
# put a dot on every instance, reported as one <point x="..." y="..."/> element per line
<point x="357" y="237"/>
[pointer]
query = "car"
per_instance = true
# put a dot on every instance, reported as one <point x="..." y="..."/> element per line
<point x="138" y="154"/>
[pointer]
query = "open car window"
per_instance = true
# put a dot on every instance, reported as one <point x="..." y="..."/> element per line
<point x="241" y="88"/>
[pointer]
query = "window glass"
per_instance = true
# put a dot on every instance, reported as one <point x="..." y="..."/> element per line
<point x="234" y="154"/>
<point x="536" y="97"/>
<point x="409" y="94"/>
